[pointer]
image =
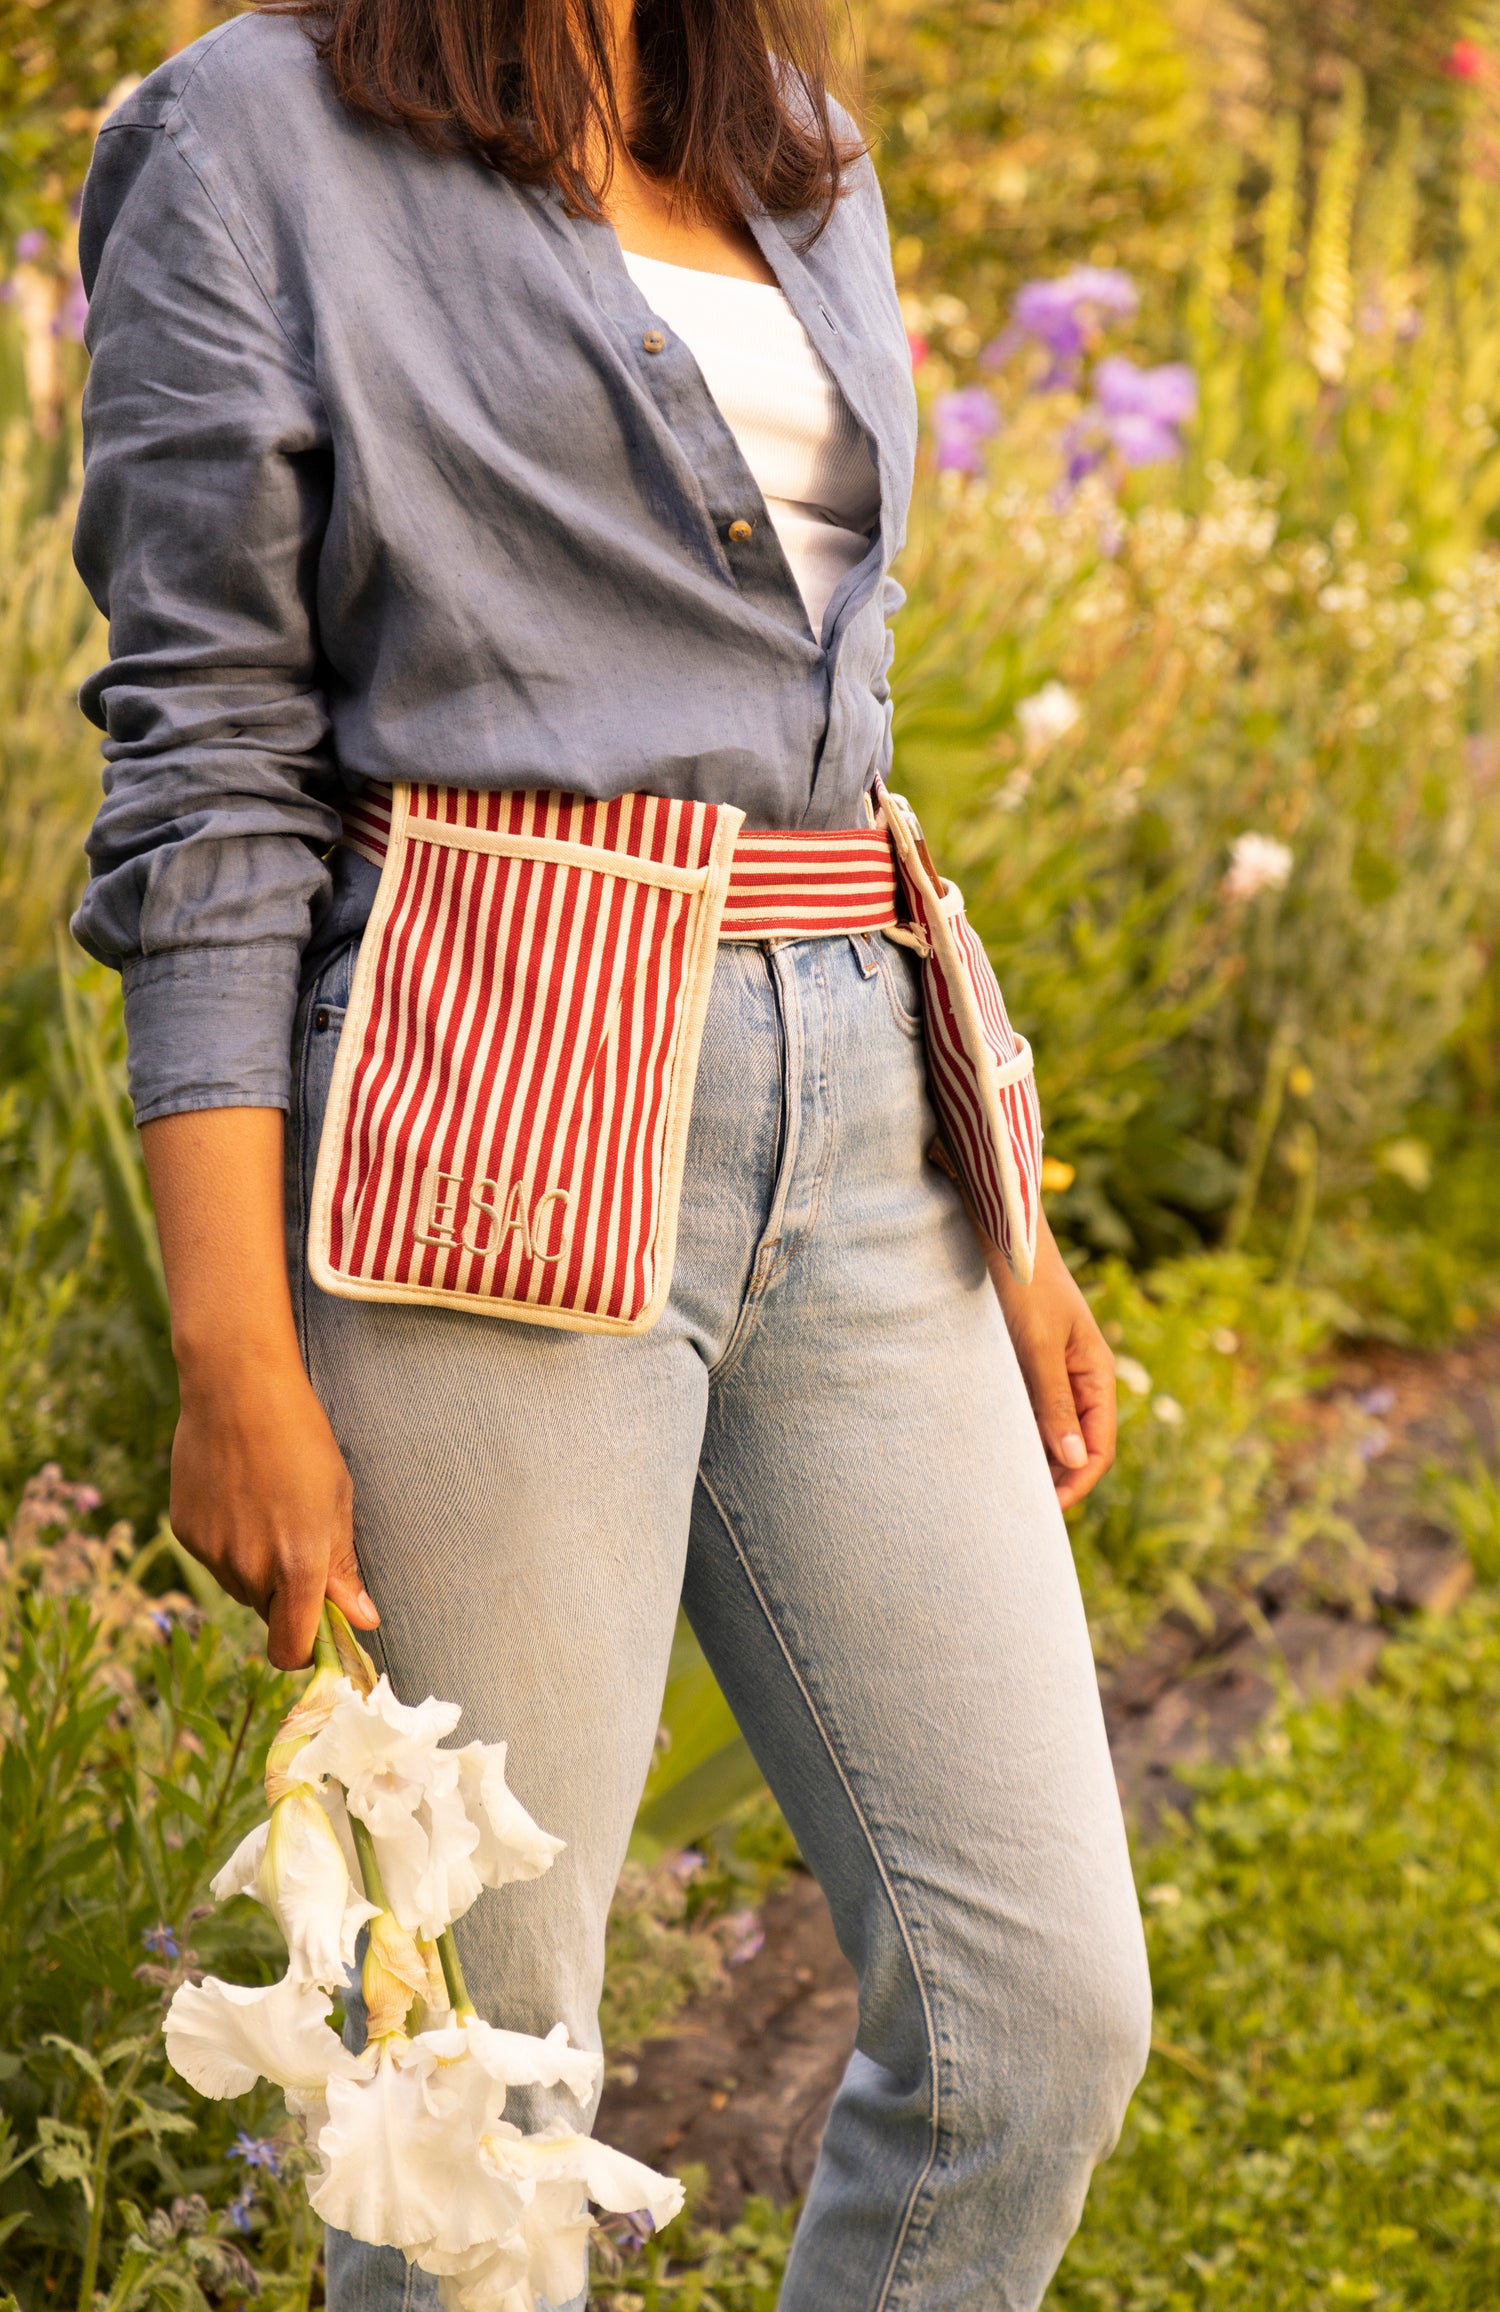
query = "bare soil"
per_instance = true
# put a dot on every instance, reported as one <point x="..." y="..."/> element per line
<point x="742" y="2083"/>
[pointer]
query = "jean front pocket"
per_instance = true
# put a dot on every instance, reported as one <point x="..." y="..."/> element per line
<point x="899" y="970"/>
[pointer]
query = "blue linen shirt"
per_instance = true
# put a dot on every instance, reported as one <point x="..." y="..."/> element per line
<point x="391" y="471"/>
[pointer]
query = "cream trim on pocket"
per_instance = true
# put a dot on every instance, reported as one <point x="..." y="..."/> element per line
<point x="507" y="1123"/>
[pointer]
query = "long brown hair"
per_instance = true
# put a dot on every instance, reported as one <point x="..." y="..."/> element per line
<point x="733" y="93"/>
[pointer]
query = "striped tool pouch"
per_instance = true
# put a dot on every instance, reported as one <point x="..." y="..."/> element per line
<point x="979" y="1071"/>
<point x="508" y="1117"/>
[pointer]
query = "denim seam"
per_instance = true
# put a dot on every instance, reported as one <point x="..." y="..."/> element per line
<point x="792" y="1245"/>
<point x="790" y="1047"/>
<point x="929" y="2025"/>
<point x="909" y="1023"/>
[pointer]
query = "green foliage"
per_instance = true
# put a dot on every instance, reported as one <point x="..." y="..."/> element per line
<point x="131" y="1731"/>
<point x="1321" y="2123"/>
<point x="50" y="638"/>
<point x="1212" y="1356"/>
<point x="659" y="1955"/>
<point x="85" y="1366"/>
<point x="1222" y="679"/>
<point x="692" y="2268"/>
<point x="1019" y="136"/>
<point x="85" y="1370"/>
<point x="1347" y="336"/>
<point x="59" y="65"/>
<point x="1401" y="46"/>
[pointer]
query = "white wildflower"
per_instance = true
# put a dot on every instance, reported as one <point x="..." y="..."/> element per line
<point x="1047" y="716"/>
<point x="223" y="2037"/>
<point x="1256" y="863"/>
<point x="1133" y="1373"/>
<point x="1168" y="1412"/>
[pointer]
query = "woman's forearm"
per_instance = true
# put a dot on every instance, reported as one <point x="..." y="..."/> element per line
<point x="216" y="1183"/>
<point x="260" y="1493"/>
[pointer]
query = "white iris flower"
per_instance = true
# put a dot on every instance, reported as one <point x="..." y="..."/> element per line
<point x="222" y="2037"/>
<point x="445" y="1822"/>
<point x="296" y="1866"/>
<point x="413" y="2151"/>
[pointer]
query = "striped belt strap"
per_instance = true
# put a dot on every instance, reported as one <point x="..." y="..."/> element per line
<point x="794" y="885"/>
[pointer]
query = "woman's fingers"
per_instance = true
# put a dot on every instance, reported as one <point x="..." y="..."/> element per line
<point x="346" y="1586"/>
<point x="1069" y="1372"/>
<point x="1057" y="1415"/>
<point x="292" y="1612"/>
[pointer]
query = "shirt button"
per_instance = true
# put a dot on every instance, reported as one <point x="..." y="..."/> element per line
<point x="654" y="342"/>
<point x="740" y="531"/>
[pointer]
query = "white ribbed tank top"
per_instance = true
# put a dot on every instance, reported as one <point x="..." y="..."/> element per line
<point x="795" y="430"/>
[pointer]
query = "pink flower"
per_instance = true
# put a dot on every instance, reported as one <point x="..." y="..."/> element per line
<point x="918" y="348"/>
<point x="1466" y="60"/>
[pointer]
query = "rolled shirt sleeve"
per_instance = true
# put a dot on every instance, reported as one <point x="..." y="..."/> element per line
<point x="206" y="496"/>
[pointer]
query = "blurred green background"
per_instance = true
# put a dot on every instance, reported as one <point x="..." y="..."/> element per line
<point x="1196" y="694"/>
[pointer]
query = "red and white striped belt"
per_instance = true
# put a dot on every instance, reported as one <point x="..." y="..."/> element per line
<point x="507" y="1121"/>
<point x="795" y="885"/>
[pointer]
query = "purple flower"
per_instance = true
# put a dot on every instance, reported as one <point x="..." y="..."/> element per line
<point x="744" y="1937"/>
<point x="1168" y="395"/>
<point x="1379" y="1400"/>
<point x="163" y="1941"/>
<point x="257" y="2151"/>
<point x="1061" y="314"/>
<point x="238" y="2210"/>
<point x="687" y="1864"/>
<point x="31" y="245"/>
<point x="962" y="423"/>
<point x="1142" y="409"/>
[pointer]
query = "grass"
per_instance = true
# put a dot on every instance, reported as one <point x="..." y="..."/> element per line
<point x="1320" y="2123"/>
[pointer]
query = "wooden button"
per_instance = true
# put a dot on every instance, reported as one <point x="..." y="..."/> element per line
<point x="654" y="341"/>
<point x="740" y="531"/>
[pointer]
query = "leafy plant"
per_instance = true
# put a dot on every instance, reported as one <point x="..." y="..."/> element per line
<point x="1321" y="2121"/>
<point x="130" y="1728"/>
<point x="692" y="2268"/>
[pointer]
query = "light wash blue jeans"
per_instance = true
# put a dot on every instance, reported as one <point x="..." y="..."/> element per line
<point x="825" y="1447"/>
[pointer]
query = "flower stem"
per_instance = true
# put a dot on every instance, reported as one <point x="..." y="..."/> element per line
<point x="369" y="1867"/>
<point x="453" y="1975"/>
<point x="325" y="1652"/>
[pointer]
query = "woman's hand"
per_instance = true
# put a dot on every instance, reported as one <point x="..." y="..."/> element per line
<point x="1069" y="1372"/>
<point x="261" y="1496"/>
<point x="260" y="1493"/>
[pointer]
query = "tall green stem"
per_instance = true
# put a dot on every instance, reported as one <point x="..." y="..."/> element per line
<point x="103" y="2151"/>
<point x="369" y="1866"/>
<point x="453" y="1976"/>
<point x="1268" y="1116"/>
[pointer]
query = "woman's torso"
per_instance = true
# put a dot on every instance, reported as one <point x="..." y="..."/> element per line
<point x="519" y="516"/>
<point x="795" y="431"/>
